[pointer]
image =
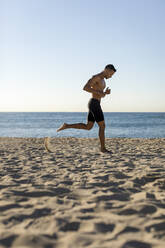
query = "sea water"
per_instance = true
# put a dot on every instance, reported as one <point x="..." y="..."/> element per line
<point x="41" y="124"/>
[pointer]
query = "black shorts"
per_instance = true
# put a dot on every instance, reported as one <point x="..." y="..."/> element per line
<point x="95" y="112"/>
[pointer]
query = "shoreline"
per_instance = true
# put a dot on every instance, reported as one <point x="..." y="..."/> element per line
<point x="77" y="196"/>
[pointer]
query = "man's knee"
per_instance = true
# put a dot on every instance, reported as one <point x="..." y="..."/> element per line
<point x="102" y="127"/>
<point x="90" y="125"/>
<point x="101" y="124"/>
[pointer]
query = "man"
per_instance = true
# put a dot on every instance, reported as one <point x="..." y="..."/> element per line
<point x="95" y="86"/>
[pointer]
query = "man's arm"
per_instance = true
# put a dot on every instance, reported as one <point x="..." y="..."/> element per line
<point x="90" y="84"/>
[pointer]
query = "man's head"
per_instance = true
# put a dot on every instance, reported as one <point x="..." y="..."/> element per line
<point x="109" y="70"/>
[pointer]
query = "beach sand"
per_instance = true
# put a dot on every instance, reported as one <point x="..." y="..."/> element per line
<point x="79" y="197"/>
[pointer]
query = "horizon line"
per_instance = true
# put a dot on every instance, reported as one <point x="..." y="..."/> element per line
<point x="81" y="111"/>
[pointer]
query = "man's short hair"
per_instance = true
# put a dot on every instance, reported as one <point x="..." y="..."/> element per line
<point x="110" y="67"/>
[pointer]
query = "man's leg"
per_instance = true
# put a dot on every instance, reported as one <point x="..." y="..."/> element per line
<point x="87" y="126"/>
<point x="101" y="125"/>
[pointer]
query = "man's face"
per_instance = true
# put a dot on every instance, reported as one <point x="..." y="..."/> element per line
<point x="108" y="73"/>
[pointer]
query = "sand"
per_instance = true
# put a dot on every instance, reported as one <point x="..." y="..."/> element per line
<point x="79" y="197"/>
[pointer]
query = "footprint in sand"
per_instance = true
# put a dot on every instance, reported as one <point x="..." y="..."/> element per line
<point x="70" y="226"/>
<point x="156" y="227"/>
<point x="104" y="228"/>
<point x="8" y="240"/>
<point x="136" y="244"/>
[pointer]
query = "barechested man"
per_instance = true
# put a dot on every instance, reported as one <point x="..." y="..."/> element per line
<point x="95" y="86"/>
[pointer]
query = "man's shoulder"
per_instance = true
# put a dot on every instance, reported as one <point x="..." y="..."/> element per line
<point x="96" y="77"/>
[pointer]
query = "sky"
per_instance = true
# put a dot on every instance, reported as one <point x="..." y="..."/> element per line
<point x="49" y="49"/>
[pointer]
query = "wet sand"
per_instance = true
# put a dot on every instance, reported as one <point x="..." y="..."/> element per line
<point x="77" y="196"/>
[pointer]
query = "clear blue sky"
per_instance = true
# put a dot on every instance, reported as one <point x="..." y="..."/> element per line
<point x="50" y="48"/>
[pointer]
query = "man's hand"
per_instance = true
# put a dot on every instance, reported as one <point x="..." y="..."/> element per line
<point x="107" y="91"/>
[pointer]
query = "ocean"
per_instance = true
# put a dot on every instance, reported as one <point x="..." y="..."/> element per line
<point x="43" y="124"/>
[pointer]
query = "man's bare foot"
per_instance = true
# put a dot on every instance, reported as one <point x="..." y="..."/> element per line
<point x="105" y="150"/>
<point x="62" y="127"/>
<point x="46" y="143"/>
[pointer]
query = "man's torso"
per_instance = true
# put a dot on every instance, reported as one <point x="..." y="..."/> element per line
<point x="99" y="85"/>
